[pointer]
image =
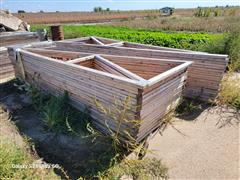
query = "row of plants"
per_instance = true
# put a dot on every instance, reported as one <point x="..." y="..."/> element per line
<point x="183" y="40"/>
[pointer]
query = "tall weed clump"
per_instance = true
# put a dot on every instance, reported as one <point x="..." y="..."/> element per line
<point x="61" y="117"/>
<point x="120" y="113"/>
<point x="230" y="90"/>
<point x="227" y="44"/>
<point x="123" y="142"/>
<point x="56" y="112"/>
<point x="233" y="49"/>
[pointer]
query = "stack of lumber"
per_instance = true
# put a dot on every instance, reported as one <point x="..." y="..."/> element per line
<point x="12" y="38"/>
<point x="96" y="81"/>
<point x="205" y="74"/>
<point x="7" y="71"/>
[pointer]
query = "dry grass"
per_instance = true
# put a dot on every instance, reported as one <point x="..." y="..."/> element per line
<point x="182" y="19"/>
<point x="230" y="90"/>
<point x="148" y="168"/>
<point x="13" y="153"/>
<point x="83" y="17"/>
<point x="176" y="23"/>
<point x="88" y="17"/>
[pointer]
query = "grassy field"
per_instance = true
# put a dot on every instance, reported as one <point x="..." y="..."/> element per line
<point x="87" y="17"/>
<point x="179" y="23"/>
<point x="201" y="19"/>
<point x="83" y="17"/>
<point x="136" y="18"/>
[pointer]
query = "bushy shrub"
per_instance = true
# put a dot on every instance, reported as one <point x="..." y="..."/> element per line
<point x="227" y="44"/>
<point x="59" y="116"/>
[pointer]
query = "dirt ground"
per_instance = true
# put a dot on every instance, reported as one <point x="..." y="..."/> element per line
<point x="71" y="152"/>
<point x="205" y="146"/>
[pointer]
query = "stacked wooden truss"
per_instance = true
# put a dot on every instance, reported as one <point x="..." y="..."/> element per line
<point x="12" y="38"/>
<point x="103" y="70"/>
<point x="205" y="74"/>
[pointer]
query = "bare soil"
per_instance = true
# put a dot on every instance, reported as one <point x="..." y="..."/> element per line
<point x="71" y="152"/>
<point x="201" y="145"/>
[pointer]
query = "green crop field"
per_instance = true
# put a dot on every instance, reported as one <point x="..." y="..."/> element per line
<point x="183" y="40"/>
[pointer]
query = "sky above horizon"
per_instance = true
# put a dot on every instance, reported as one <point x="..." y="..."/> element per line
<point x="88" y="5"/>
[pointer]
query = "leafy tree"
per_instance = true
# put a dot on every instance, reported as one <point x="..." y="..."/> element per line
<point x="97" y="9"/>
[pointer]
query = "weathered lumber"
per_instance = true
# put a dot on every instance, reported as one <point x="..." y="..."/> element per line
<point x="120" y="69"/>
<point x="12" y="38"/>
<point x="89" y="77"/>
<point x="96" y="40"/>
<point x="204" y="64"/>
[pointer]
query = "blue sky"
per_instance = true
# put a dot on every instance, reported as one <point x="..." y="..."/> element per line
<point x="88" y="5"/>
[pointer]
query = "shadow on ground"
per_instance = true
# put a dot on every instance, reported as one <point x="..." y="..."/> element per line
<point x="190" y="109"/>
<point x="78" y="156"/>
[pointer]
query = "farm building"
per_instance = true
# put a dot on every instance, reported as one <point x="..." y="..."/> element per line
<point x="166" y="11"/>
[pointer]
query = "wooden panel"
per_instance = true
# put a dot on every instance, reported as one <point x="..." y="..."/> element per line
<point x="159" y="101"/>
<point x="12" y="38"/>
<point x="83" y="84"/>
<point x="204" y="65"/>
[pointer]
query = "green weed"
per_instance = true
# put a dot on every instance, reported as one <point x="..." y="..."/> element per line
<point x="59" y="116"/>
<point x="188" y="106"/>
<point x="228" y="44"/>
<point x="233" y="49"/>
<point x="55" y="112"/>
<point x="38" y="97"/>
